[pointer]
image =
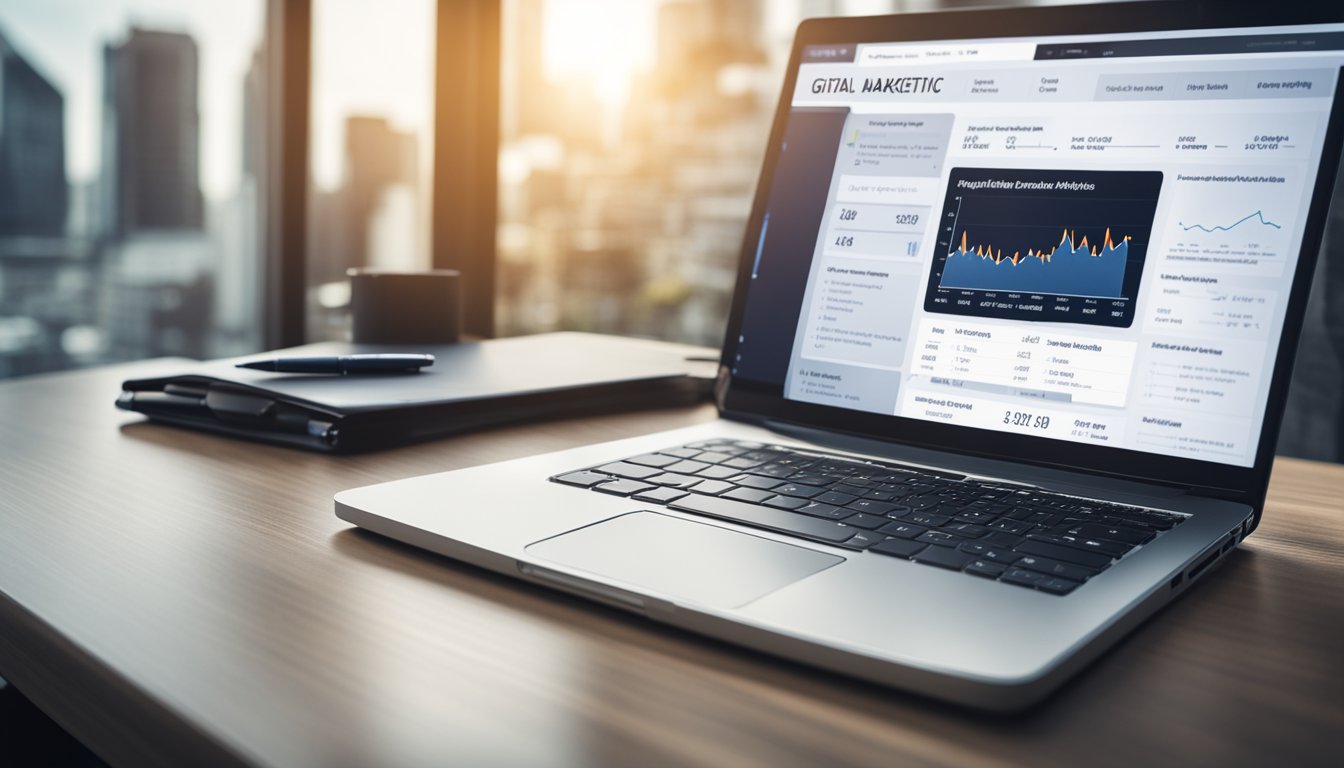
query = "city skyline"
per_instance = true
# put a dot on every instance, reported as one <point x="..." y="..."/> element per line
<point x="64" y="39"/>
<point x="625" y="217"/>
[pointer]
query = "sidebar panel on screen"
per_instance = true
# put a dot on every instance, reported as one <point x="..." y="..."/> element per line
<point x="783" y="252"/>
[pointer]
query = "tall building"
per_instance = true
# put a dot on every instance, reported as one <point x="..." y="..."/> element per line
<point x="377" y="159"/>
<point x="34" y="195"/>
<point x="151" y="134"/>
<point x="527" y="70"/>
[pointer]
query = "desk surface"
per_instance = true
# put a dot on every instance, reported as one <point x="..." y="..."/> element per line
<point x="175" y="598"/>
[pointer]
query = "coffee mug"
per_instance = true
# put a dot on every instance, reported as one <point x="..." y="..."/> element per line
<point x="392" y="307"/>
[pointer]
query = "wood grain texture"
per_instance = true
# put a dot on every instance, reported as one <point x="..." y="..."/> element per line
<point x="176" y="598"/>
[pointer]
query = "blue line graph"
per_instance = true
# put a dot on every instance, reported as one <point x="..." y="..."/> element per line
<point x="1220" y="228"/>
<point x="1065" y="270"/>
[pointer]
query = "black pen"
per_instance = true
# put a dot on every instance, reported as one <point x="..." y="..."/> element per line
<point x="343" y="364"/>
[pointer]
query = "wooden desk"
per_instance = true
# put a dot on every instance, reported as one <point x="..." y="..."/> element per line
<point x="175" y="598"/>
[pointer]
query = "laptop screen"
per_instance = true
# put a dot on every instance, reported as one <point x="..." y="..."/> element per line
<point x="1087" y="238"/>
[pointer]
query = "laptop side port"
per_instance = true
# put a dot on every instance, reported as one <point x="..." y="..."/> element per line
<point x="1209" y="556"/>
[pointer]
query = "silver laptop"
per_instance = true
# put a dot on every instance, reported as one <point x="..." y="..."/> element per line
<point x="1006" y="361"/>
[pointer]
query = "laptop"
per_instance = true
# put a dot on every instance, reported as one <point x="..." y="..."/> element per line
<point x="1006" y="362"/>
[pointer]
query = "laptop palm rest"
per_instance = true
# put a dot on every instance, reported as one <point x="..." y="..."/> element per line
<point x="696" y="562"/>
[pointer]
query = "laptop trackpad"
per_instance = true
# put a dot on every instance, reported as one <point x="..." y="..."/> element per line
<point x="685" y="560"/>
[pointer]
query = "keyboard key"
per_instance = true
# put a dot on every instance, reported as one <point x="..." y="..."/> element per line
<point x="660" y="495"/>
<point x="811" y="478"/>
<point x="1023" y="577"/>
<point x="828" y="511"/>
<point x="902" y="529"/>
<point x="921" y="502"/>
<point x="1110" y="548"/>
<point x="986" y="568"/>
<point x="938" y="537"/>
<point x="717" y="473"/>
<point x="764" y="517"/>
<point x="753" y="495"/>
<point x="863" y="540"/>
<point x="943" y="557"/>
<point x="799" y="489"/>
<point x="975" y="516"/>
<point x="1057" y="586"/>
<point x="878" y="495"/>
<point x="654" y="460"/>
<point x="1015" y="527"/>
<point x="755" y="481"/>
<point x="740" y="463"/>
<point x="866" y="521"/>
<point x="968" y="530"/>
<point x="785" y="502"/>
<point x="712" y="487"/>
<point x="871" y="507"/>
<point x="924" y="518"/>
<point x="989" y="552"/>
<point x="893" y="477"/>
<point x="1067" y="554"/>
<point x="836" y="498"/>
<point x="622" y="487"/>
<point x="1120" y="522"/>
<point x="1112" y="533"/>
<point x="1001" y="539"/>
<point x="673" y="480"/>
<point x="710" y="457"/>
<point x="761" y="455"/>
<point x="1055" y="568"/>
<point x="898" y="547"/>
<point x="687" y="467"/>
<point x="839" y="466"/>
<point x="584" y="479"/>
<point x="1045" y="519"/>
<point x="1152" y="519"/>
<point x="629" y="471"/>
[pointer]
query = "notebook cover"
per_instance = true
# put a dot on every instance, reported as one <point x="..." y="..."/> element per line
<point x="470" y="385"/>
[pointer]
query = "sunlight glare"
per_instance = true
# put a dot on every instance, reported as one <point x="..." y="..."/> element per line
<point x="604" y="42"/>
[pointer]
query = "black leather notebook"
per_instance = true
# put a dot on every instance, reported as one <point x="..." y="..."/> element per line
<point x="470" y="385"/>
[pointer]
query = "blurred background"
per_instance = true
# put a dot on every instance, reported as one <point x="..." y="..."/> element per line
<point x="137" y="148"/>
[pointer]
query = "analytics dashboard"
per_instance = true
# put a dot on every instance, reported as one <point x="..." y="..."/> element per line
<point x="1089" y="239"/>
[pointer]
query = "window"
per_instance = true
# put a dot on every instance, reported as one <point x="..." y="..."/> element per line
<point x="632" y="137"/>
<point x="128" y="215"/>
<point x="371" y="148"/>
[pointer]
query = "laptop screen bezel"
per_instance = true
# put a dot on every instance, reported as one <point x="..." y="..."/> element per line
<point x="753" y="401"/>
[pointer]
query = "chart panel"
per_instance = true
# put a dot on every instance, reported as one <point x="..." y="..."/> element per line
<point x="1041" y="245"/>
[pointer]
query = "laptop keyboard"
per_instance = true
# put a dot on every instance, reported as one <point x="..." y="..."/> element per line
<point x="1016" y="535"/>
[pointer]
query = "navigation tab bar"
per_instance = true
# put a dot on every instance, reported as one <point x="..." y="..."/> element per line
<point x="1188" y="86"/>
<point x="1303" y="42"/>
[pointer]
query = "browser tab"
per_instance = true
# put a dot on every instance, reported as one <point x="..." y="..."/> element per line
<point x="832" y="54"/>
<point x="907" y="53"/>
